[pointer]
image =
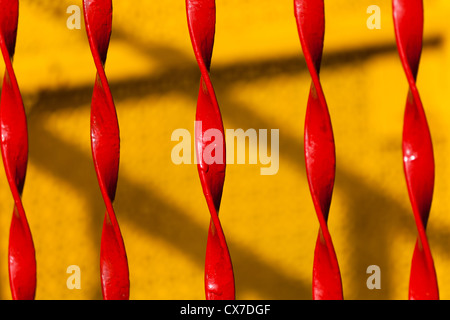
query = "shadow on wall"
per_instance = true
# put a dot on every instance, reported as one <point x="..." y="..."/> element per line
<point x="148" y="210"/>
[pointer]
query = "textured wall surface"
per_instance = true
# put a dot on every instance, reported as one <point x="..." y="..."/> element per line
<point x="261" y="82"/>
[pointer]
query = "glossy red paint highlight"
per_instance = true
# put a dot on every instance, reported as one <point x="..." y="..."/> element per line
<point x="105" y="146"/>
<point x="219" y="277"/>
<point x="418" y="159"/>
<point x="319" y="149"/>
<point x="14" y="147"/>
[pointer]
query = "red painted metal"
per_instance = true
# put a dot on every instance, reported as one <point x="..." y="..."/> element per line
<point x="14" y="146"/>
<point x="319" y="149"/>
<point x="418" y="159"/>
<point x="105" y="145"/>
<point x="219" y="277"/>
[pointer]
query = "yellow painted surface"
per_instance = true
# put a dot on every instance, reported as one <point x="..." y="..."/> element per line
<point x="261" y="82"/>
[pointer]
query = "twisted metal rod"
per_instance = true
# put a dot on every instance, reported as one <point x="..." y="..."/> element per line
<point x="319" y="149"/>
<point x="219" y="277"/>
<point x="14" y="146"/>
<point x="418" y="158"/>
<point x="105" y="146"/>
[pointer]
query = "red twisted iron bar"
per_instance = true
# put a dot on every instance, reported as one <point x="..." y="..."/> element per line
<point x="14" y="145"/>
<point x="105" y="145"/>
<point x="319" y="149"/>
<point x="219" y="277"/>
<point x="418" y="159"/>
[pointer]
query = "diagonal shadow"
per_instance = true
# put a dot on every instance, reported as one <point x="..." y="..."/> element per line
<point x="139" y="199"/>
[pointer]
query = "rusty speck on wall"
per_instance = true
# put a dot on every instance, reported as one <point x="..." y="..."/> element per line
<point x="388" y="205"/>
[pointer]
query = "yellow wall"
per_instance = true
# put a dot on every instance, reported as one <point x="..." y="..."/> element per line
<point x="261" y="82"/>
